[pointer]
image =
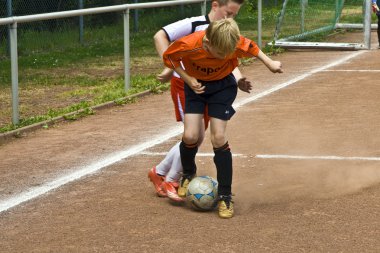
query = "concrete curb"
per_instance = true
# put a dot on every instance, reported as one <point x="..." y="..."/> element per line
<point x="4" y="137"/>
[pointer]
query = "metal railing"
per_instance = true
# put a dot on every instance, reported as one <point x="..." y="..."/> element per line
<point x="125" y="8"/>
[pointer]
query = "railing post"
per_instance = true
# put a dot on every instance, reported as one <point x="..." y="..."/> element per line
<point x="14" y="71"/>
<point x="81" y="23"/>
<point x="182" y="10"/>
<point x="303" y="7"/>
<point x="367" y="24"/>
<point x="136" y="19"/>
<point x="280" y="19"/>
<point x="337" y="11"/>
<point x="9" y="14"/>
<point x="259" y="22"/>
<point x="204" y="7"/>
<point x="126" y="51"/>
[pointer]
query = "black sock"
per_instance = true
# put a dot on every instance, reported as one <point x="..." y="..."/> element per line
<point x="223" y="162"/>
<point x="188" y="152"/>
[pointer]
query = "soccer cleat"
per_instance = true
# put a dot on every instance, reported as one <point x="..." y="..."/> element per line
<point x="226" y="207"/>
<point x="182" y="189"/>
<point x="170" y="188"/>
<point x="157" y="181"/>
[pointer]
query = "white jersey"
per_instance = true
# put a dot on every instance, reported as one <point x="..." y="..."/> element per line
<point x="185" y="27"/>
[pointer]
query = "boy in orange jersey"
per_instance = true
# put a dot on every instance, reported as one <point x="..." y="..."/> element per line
<point x="166" y="174"/>
<point x="208" y="59"/>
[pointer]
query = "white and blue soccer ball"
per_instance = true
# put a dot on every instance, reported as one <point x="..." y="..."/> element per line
<point x="202" y="193"/>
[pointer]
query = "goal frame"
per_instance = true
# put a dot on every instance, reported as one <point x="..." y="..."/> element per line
<point x="288" y="43"/>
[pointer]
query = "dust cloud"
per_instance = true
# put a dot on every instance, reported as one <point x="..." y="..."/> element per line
<point x="304" y="180"/>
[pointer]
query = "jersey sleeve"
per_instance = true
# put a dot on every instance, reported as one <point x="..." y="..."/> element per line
<point x="247" y="48"/>
<point x="178" y="29"/>
<point x="173" y="55"/>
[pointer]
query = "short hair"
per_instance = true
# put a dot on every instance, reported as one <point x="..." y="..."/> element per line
<point x="223" y="35"/>
<point x="225" y="2"/>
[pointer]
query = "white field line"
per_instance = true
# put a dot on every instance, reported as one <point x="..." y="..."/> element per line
<point x="198" y="154"/>
<point x="299" y="78"/>
<point x="300" y="157"/>
<point x="35" y="192"/>
<point x="352" y="70"/>
<point x="87" y="170"/>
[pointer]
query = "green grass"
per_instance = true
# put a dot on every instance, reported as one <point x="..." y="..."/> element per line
<point x="105" y="92"/>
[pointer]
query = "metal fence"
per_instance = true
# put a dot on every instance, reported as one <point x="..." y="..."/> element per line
<point x="35" y="32"/>
<point x="78" y="29"/>
<point x="122" y="11"/>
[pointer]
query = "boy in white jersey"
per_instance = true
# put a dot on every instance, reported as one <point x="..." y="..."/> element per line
<point x="165" y="176"/>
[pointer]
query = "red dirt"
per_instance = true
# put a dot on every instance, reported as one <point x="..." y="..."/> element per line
<point x="282" y="205"/>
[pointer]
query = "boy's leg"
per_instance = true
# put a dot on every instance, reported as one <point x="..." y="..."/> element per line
<point x="223" y="156"/>
<point x="157" y="181"/>
<point x="175" y="171"/>
<point x="157" y="174"/>
<point x="223" y="163"/>
<point x="188" y="149"/>
<point x="165" y="165"/>
<point x="220" y="111"/>
<point x="170" y="186"/>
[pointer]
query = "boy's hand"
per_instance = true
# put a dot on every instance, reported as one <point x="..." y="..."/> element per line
<point x="197" y="87"/>
<point x="165" y="75"/>
<point x="192" y="82"/>
<point x="275" y="67"/>
<point x="244" y="85"/>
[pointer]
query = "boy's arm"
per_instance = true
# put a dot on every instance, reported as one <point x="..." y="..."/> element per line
<point x="162" y="43"/>
<point x="248" y="48"/>
<point x="274" y="66"/>
<point x="172" y="59"/>
<point x="165" y="36"/>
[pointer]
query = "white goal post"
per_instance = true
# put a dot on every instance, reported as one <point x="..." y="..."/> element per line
<point x="291" y="41"/>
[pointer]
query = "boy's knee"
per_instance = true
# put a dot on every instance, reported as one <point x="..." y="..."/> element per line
<point x="218" y="140"/>
<point x="190" y="138"/>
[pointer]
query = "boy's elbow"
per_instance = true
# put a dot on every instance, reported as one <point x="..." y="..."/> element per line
<point x="160" y="36"/>
<point x="156" y="36"/>
<point x="156" y="39"/>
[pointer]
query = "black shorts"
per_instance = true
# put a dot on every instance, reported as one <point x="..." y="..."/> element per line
<point x="218" y="96"/>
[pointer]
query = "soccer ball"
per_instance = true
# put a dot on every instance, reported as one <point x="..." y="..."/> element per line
<point x="202" y="193"/>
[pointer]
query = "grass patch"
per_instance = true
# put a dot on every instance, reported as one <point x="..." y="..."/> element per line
<point x="109" y="91"/>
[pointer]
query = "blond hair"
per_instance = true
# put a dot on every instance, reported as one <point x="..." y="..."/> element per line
<point x="223" y="35"/>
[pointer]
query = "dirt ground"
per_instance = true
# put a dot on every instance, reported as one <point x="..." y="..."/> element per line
<point x="306" y="178"/>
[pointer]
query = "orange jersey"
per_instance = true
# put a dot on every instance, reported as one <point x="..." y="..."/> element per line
<point x="199" y="63"/>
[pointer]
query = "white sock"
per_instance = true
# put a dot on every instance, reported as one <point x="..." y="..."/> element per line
<point x="175" y="171"/>
<point x="164" y="166"/>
